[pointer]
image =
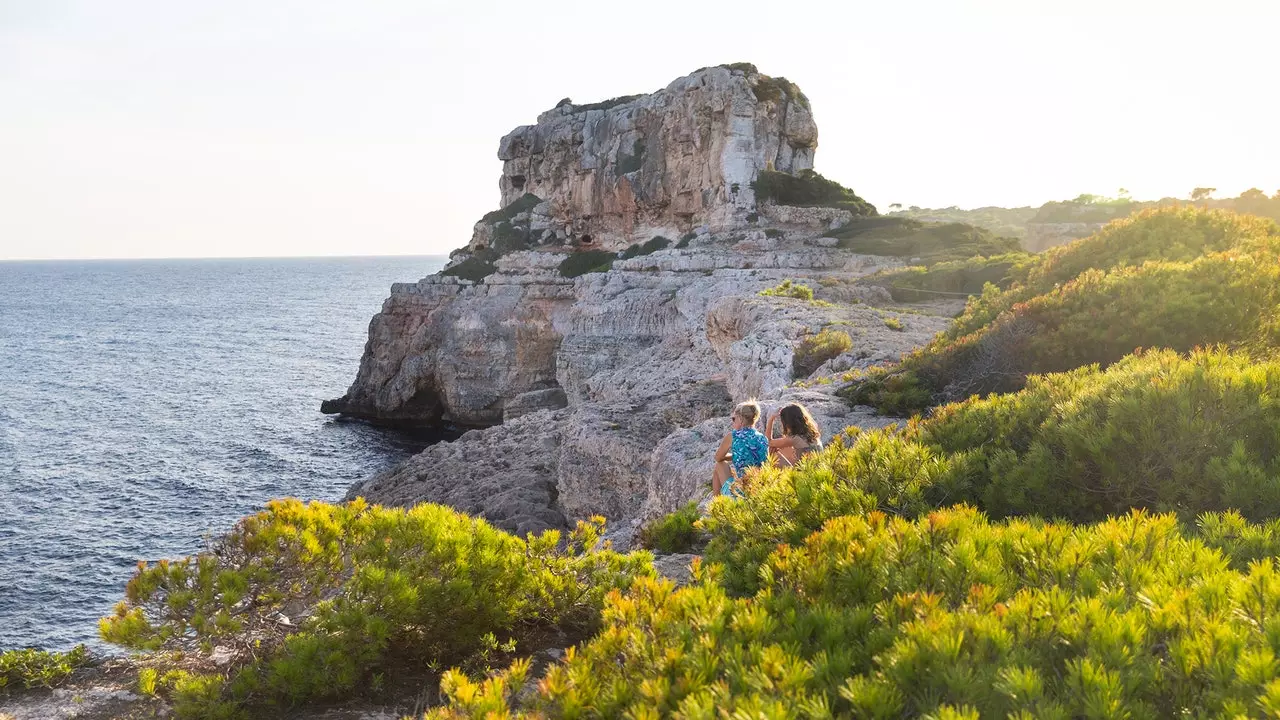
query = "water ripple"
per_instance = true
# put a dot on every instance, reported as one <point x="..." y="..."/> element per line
<point x="147" y="404"/>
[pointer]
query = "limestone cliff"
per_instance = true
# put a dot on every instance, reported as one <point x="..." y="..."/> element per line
<point x="605" y="393"/>
<point x="621" y="171"/>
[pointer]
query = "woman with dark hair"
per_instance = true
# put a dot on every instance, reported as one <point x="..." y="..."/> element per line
<point x="800" y="434"/>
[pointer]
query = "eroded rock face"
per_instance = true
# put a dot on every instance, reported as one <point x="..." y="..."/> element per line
<point x="619" y="172"/>
<point x="615" y="386"/>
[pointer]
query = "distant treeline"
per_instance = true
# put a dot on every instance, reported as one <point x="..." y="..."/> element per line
<point x="1087" y="208"/>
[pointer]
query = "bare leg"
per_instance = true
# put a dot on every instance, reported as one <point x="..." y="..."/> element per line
<point x="723" y="472"/>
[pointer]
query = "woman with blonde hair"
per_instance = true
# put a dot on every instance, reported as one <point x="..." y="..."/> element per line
<point x="800" y="434"/>
<point x="742" y="448"/>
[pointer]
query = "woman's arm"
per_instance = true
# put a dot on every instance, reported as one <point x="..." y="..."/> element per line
<point x="722" y="453"/>
<point x="782" y="442"/>
<point x="768" y="428"/>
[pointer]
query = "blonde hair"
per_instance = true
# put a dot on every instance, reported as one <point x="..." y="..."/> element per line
<point x="748" y="412"/>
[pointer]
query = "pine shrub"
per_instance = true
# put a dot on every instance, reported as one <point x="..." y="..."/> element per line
<point x="815" y="350"/>
<point x="673" y="532"/>
<point x="360" y="584"/>
<point x="944" y="616"/>
<point x="586" y="261"/>
<point x="30" y="668"/>
<point x="1056" y="320"/>
<point x="808" y="189"/>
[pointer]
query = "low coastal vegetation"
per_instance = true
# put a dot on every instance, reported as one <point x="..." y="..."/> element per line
<point x="1177" y="278"/>
<point x="808" y="189"/>
<point x="814" y="350"/>
<point x="789" y="288"/>
<point x="1078" y="528"/>
<point x="31" y="668"/>
<point x="317" y="600"/>
<point x="927" y="243"/>
<point x="672" y="533"/>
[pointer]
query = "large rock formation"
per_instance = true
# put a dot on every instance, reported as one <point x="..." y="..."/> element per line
<point x="609" y="391"/>
<point x="621" y="171"/>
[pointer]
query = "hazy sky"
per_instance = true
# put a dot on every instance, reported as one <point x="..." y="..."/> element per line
<point x="166" y="128"/>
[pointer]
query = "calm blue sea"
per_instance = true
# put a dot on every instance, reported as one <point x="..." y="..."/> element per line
<point x="147" y="404"/>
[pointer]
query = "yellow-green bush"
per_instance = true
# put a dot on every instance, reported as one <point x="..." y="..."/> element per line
<point x="956" y="277"/>
<point x="1068" y="312"/>
<point x="1158" y="431"/>
<point x="791" y="289"/>
<point x="31" y="668"/>
<point x="815" y="350"/>
<point x="945" y="616"/>
<point x="673" y="532"/>
<point x="359" y="584"/>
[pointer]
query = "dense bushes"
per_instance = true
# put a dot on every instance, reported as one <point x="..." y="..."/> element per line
<point x="358" y="585"/>
<point x="956" y="277"/>
<point x="814" y="350"/>
<point x="1156" y="431"/>
<point x="1179" y="234"/>
<point x="473" y="268"/>
<point x="945" y="616"/>
<point x="31" y="668"/>
<point x="1094" y="301"/>
<point x="808" y="189"/>
<point x="929" y="242"/>
<point x="586" y="261"/>
<point x="673" y="532"/>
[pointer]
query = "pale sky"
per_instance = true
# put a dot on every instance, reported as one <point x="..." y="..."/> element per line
<point x="176" y="128"/>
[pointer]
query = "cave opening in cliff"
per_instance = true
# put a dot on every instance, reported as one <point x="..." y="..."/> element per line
<point x="517" y="182"/>
<point x="585" y="239"/>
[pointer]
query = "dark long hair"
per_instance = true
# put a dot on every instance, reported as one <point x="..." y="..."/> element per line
<point x="797" y="421"/>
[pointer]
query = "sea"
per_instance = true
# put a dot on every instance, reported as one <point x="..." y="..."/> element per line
<point x="147" y="405"/>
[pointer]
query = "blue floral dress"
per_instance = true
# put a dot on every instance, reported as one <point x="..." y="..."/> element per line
<point x="750" y="449"/>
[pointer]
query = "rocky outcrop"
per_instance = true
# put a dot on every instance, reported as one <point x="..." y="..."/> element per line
<point x="606" y="393"/>
<point x="618" y="172"/>
<point x="638" y="368"/>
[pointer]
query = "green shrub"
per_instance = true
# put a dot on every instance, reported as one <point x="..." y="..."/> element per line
<point x="815" y="350"/>
<point x="522" y="204"/>
<point x="956" y="277"/>
<point x="586" y="261"/>
<point x="773" y="233"/>
<point x="778" y="89"/>
<point x="672" y="533"/>
<point x="606" y="104"/>
<point x="1157" y="431"/>
<point x="789" y="288"/>
<point x="1061" y="316"/>
<point x="808" y="189"/>
<point x="652" y="245"/>
<point x="685" y="240"/>
<point x="945" y="616"/>
<point x="473" y="268"/>
<point x="32" y="668"/>
<point x="1175" y="234"/>
<point x="898" y="236"/>
<point x="425" y="585"/>
<point x="894" y="323"/>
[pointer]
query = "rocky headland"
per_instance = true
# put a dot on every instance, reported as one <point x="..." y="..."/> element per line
<point x="606" y="392"/>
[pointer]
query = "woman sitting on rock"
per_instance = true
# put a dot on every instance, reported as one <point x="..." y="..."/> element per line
<point x="800" y="435"/>
<point x="743" y="447"/>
